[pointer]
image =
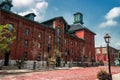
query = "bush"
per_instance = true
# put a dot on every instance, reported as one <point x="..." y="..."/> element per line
<point x="20" y="63"/>
<point x="102" y="75"/>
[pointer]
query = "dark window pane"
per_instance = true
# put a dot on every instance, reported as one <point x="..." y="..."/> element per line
<point x="27" y="31"/>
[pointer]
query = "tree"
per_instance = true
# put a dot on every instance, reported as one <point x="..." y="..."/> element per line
<point x="119" y="54"/>
<point x="6" y="37"/>
<point x="57" y="53"/>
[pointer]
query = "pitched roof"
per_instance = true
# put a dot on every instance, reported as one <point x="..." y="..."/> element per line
<point x="76" y="27"/>
<point x="30" y="14"/>
<point x="9" y="12"/>
<point x="50" y="20"/>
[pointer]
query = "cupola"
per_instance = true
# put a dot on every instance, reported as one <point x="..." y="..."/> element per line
<point x="6" y="4"/>
<point x="78" y="18"/>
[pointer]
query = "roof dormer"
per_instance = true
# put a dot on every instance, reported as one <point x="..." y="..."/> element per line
<point x="30" y="16"/>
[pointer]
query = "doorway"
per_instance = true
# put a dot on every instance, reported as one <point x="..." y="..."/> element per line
<point x="6" y="59"/>
<point x="58" y="62"/>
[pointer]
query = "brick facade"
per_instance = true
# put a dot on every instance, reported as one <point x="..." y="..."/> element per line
<point x="39" y="40"/>
<point x="102" y="54"/>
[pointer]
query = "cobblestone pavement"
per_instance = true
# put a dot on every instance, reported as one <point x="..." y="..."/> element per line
<point x="74" y="73"/>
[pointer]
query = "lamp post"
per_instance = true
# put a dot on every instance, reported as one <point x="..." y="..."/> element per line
<point x="107" y="40"/>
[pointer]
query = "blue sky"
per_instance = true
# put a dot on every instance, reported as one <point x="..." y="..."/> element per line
<point x="100" y="16"/>
<point x="94" y="12"/>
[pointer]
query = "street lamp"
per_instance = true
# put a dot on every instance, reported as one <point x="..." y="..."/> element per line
<point x="107" y="40"/>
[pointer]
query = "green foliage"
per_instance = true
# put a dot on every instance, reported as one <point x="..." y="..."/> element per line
<point x="118" y="52"/>
<point x="102" y="75"/>
<point x="57" y="52"/>
<point x="6" y="37"/>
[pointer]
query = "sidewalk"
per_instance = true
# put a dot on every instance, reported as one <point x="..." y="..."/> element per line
<point x="19" y="71"/>
<point x="116" y="76"/>
<point x="15" y="71"/>
<point x="4" y="73"/>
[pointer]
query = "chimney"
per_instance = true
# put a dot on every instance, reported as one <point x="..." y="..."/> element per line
<point x="30" y="16"/>
<point x="6" y="5"/>
<point x="78" y="18"/>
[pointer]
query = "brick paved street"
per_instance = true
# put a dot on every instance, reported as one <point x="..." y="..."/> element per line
<point x="68" y="74"/>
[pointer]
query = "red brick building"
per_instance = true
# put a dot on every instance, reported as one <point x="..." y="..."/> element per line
<point x="102" y="54"/>
<point x="37" y="41"/>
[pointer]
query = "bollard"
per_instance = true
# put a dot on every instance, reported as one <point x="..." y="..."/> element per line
<point x="34" y="65"/>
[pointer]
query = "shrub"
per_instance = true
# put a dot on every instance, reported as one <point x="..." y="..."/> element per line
<point x="102" y="75"/>
<point x="20" y="63"/>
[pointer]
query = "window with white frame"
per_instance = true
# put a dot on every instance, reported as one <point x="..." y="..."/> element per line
<point x="39" y="35"/>
<point x="39" y="45"/>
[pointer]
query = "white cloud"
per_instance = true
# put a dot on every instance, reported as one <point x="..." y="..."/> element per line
<point x="110" y="18"/>
<point x="41" y="5"/>
<point x="22" y="3"/>
<point x="113" y="13"/>
<point x="108" y="23"/>
<point x="24" y="7"/>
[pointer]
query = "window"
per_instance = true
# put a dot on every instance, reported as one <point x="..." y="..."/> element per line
<point x="31" y="17"/>
<point x="26" y="43"/>
<point x="50" y="37"/>
<point x="65" y="41"/>
<point x="66" y="52"/>
<point x="49" y="48"/>
<point x="27" y="31"/>
<point x="6" y="7"/>
<point x="104" y="50"/>
<point x="39" y="45"/>
<point x="58" y="31"/>
<point x="76" y="43"/>
<point x="58" y="41"/>
<point x="39" y="35"/>
<point x="38" y="57"/>
<point x="98" y="51"/>
<point x="71" y="42"/>
<point x="78" y="17"/>
<point x="25" y="56"/>
<point x="75" y="19"/>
